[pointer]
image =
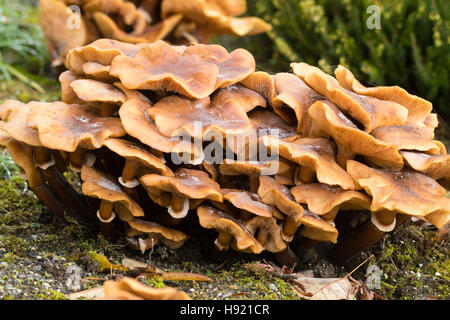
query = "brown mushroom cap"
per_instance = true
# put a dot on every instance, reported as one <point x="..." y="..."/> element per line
<point x="55" y="16"/>
<point x="315" y="154"/>
<point x="171" y="238"/>
<point x="418" y="108"/>
<point x="133" y="151"/>
<point x="186" y="184"/>
<point x="277" y="195"/>
<point x="326" y="201"/>
<point x="261" y="82"/>
<point x="138" y="124"/>
<point x="293" y="100"/>
<point x="102" y="186"/>
<point x="269" y="233"/>
<point x="316" y="228"/>
<point x="131" y="289"/>
<point x="370" y="112"/>
<point x="97" y="71"/>
<point x="225" y="112"/>
<point x="350" y="139"/>
<point x="252" y="169"/>
<point x="405" y="192"/>
<point x="266" y="121"/>
<point x="90" y="90"/>
<point x="196" y="72"/>
<point x="67" y="94"/>
<point x="410" y="137"/>
<point x="434" y="166"/>
<point x="101" y="51"/>
<point x="249" y="201"/>
<point x="211" y="218"/>
<point x="68" y="126"/>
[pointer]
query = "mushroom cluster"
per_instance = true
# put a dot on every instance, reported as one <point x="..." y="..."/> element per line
<point x="68" y="24"/>
<point x="169" y="140"/>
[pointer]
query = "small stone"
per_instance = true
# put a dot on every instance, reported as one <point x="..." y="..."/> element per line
<point x="192" y="290"/>
<point x="272" y="287"/>
<point x="437" y="274"/>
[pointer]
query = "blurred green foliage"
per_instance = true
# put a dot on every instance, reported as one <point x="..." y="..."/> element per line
<point x="411" y="49"/>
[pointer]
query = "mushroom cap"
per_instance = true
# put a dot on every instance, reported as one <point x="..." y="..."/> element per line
<point x="65" y="127"/>
<point x="323" y="199"/>
<point x="418" y="109"/>
<point x="434" y="166"/>
<point x="131" y="289"/>
<point x="370" y="112"/>
<point x="132" y="151"/>
<point x="211" y="218"/>
<point x="293" y="100"/>
<point x="265" y="122"/>
<point x="410" y="137"/>
<point x="252" y="168"/>
<point x="261" y="82"/>
<point x="97" y="71"/>
<point x="138" y="124"/>
<point x="195" y="73"/>
<point x="248" y="201"/>
<point x="60" y="40"/>
<point x="316" y="154"/>
<point x="101" y="51"/>
<point x="405" y="192"/>
<point x="214" y="17"/>
<point x="90" y="90"/>
<point x="352" y="140"/>
<point x="170" y="237"/>
<point x="225" y="112"/>
<point x="67" y="94"/>
<point x="99" y="185"/>
<point x="316" y="228"/>
<point x="15" y="114"/>
<point x="269" y="227"/>
<point x="187" y="183"/>
<point x="277" y="195"/>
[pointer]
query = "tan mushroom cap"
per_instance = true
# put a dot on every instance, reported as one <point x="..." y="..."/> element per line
<point x="315" y="154"/>
<point x="277" y="195"/>
<point x="186" y="184"/>
<point x="102" y="186"/>
<point x="265" y="122"/>
<point x="211" y="218"/>
<point x="410" y="137"/>
<point x="249" y="201"/>
<point x="214" y="18"/>
<point x="434" y="166"/>
<point x="370" y="112"/>
<point x="138" y="124"/>
<point x="131" y="289"/>
<point x="250" y="168"/>
<point x="67" y="94"/>
<point x="15" y="114"/>
<point x="101" y="51"/>
<point x="350" y="140"/>
<point x="90" y="90"/>
<point x="269" y="233"/>
<point x="405" y="192"/>
<point x="132" y="151"/>
<point x="60" y="40"/>
<point x="261" y="82"/>
<point x="97" y="71"/>
<point x="225" y="112"/>
<point x="293" y="100"/>
<point x="326" y="200"/>
<point x="316" y="228"/>
<point x="171" y="238"/>
<point x="69" y="126"/>
<point x="418" y="108"/>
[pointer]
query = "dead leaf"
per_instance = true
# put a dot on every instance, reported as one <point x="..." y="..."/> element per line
<point x="184" y="276"/>
<point x="93" y="293"/>
<point x="325" y="289"/>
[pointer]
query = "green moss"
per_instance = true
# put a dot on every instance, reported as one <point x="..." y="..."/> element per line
<point x="156" y="282"/>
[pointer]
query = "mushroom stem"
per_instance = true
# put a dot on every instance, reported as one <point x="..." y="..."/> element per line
<point x="306" y="249"/>
<point x="306" y="174"/>
<point x="342" y="156"/>
<point x="361" y="239"/>
<point x="47" y="197"/>
<point x="179" y="207"/>
<point x="245" y="215"/>
<point x="76" y="159"/>
<point x="41" y="155"/>
<point x="286" y="258"/>
<point x="105" y="213"/>
<point x="223" y="241"/>
<point x="129" y="173"/>
<point x="68" y="195"/>
<point x="107" y="109"/>
<point x="254" y="183"/>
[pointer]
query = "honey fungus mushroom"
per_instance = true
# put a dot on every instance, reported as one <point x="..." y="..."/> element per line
<point x="184" y="191"/>
<point x="231" y="231"/>
<point x="268" y="233"/>
<point x="113" y="199"/>
<point x="434" y="166"/>
<point x="156" y="233"/>
<point x="131" y="289"/>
